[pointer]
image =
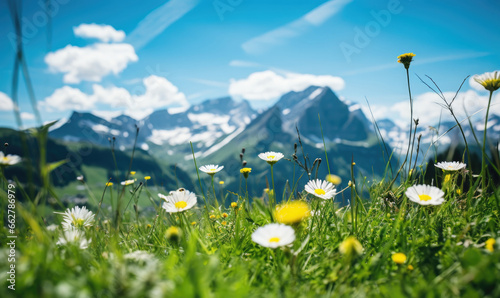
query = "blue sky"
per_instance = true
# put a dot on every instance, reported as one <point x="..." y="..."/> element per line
<point x="179" y="52"/>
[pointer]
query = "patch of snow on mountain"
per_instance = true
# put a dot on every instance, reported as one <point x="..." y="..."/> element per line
<point x="315" y="93"/>
<point x="223" y="142"/>
<point x="178" y="110"/>
<point x="177" y="136"/>
<point x="100" y="128"/>
<point x="354" y="107"/>
<point x="208" y="118"/>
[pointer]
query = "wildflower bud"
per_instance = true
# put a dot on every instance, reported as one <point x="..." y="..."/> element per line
<point x="295" y="148"/>
<point x="244" y="164"/>
<point x="193" y="223"/>
<point x="490" y="244"/>
<point x="114" y="139"/>
<point x="212" y="216"/>
<point x="410" y="267"/>
<point x="416" y="121"/>
<point x="221" y="182"/>
<point x="148" y="226"/>
<point x="80" y="178"/>
<point x="173" y="234"/>
<point x="224" y="223"/>
<point x="350" y="184"/>
<point x="243" y="150"/>
<point x="294" y="156"/>
<point x="353" y="163"/>
<point x="234" y="204"/>
<point x="399" y="258"/>
<point x="351" y="247"/>
<point x="241" y="157"/>
<point x="6" y="145"/>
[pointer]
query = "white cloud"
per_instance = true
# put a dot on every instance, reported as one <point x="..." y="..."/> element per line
<point x="6" y="103"/>
<point x="267" y="85"/>
<point x="159" y="92"/>
<point x="427" y="109"/>
<point x="90" y="63"/>
<point x="27" y="116"/>
<point x="68" y="98"/>
<point x="281" y="35"/>
<point x="158" y="20"/>
<point x="104" y="33"/>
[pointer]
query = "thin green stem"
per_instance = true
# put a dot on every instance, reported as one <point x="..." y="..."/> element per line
<point x="274" y="191"/>
<point x="213" y="188"/>
<point x="483" y="163"/>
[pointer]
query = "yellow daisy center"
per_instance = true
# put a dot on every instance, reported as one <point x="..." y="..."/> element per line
<point x="271" y="156"/>
<point x="5" y="158"/>
<point x="212" y="170"/>
<point x="319" y="191"/>
<point x="424" y="197"/>
<point x="274" y="239"/>
<point x="180" y="205"/>
<point x="78" y="222"/>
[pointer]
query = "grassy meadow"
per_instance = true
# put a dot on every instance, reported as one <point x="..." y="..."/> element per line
<point x="392" y="239"/>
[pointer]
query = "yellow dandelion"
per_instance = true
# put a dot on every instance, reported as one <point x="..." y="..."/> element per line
<point x="292" y="212"/>
<point x="148" y="226"/>
<point x="234" y="204"/>
<point x="224" y="215"/>
<point x="224" y="223"/>
<point x="490" y="243"/>
<point x="173" y="233"/>
<point x="108" y="184"/>
<point x="351" y="247"/>
<point x="132" y="173"/>
<point x="334" y="179"/>
<point x="221" y="182"/>
<point x="459" y="192"/>
<point x="212" y="216"/>
<point x="410" y="267"/>
<point x="193" y="223"/>
<point x="406" y="59"/>
<point x="399" y="258"/>
<point x="245" y="171"/>
<point x="147" y="178"/>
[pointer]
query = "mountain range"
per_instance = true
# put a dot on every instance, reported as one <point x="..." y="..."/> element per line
<point x="220" y="128"/>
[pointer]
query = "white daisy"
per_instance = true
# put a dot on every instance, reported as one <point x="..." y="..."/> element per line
<point x="75" y="237"/>
<point x="321" y="189"/>
<point x="138" y="255"/>
<point x="271" y="157"/>
<point x="9" y="160"/>
<point x="179" y="201"/>
<point x="77" y="218"/>
<point x="211" y="169"/>
<point x="450" y="165"/>
<point x="425" y="195"/>
<point x="274" y="235"/>
<point x="128" y="182"/>
<point x="489" y="80"/>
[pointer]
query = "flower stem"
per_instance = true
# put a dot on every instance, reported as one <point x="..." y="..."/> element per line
<point x="483" y="163"/>
<point x="213" y="188"/>
<point x="274" y="191"/>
